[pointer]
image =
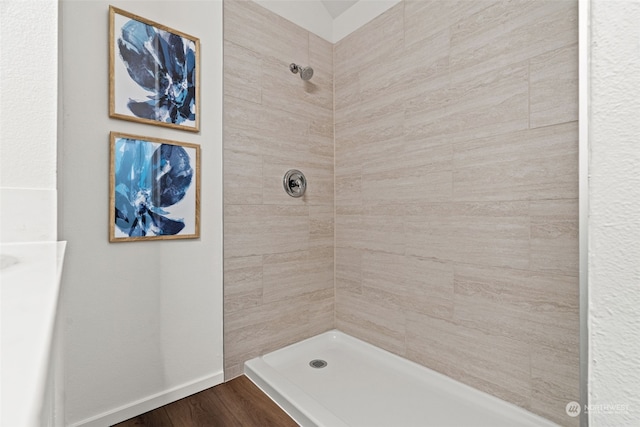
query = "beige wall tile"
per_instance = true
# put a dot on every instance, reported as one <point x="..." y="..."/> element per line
<point x="348" y="231"/>
<point x="406" y="185"/>
<point x="322" y="123"/>
<point x="283" y="133"/>
<point x="243" y="73"/>
<point x="535" y="308"/>
<point x="491" y="363"/>
<point x="249" y="332"/>
<point x="494" y="21"/>
<point x="291" y="274"/>
<point x="510" y="32"/>
<point x="532" y="164"/>
<point x="241" y="171"/>
<point x="554" y="236"/>
<point x="383" y="271"/>
<point x="249" y="25"/>
<point x="243" y="339"/>
<point x="262" y="329"/>
<point x="241" y="128"/>
<point x="347" y="89"/>
<point x="321" y="226"/>
<point x="533" y="179"/>
<point x="481" y="105"/>
<point x="554" y="87"/>
<point x="321" y="146"/>
<point x="393" y="154"/>
<point x="423" y="18"/>
<point x="265" y="229"/>
<point x="422" y="65"/>
<point x="372" y="321"/>
<point x="375" y="122"/>
<point x="242" y="283"/>
<point x="279" y="251"/>
<point x="430" y="101"/>
<point x="428" y="286"/>
<point x="400" y="171"/>
<point x="379" y="38"/>
<point x="408" y="283"/>
<point x="453" y="239"/>
<point x="321" y="268"/>
<point x="348" y="275"/>
<point x="311" y="308"/>
<point x="320" y="55"/>
<point x="555" y="378"/>
<point x="321" y="309"/>
<point x="376" y="232"/>
<point x="516" y="146"/>
<point x="351" y="158"/>
<point x="485" y="234"/>
<point x="348" y="189"/>
<point x="470" y="81"/>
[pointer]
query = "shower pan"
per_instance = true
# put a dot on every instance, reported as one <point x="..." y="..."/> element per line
<point x="335" y="380"/>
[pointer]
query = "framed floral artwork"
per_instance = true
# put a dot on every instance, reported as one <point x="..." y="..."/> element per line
<point x="154" y="189"/>
<point x="153" y="73"/>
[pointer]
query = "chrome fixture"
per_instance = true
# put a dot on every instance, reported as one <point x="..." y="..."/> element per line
<point x="294" y="183"/>
<point x="318" y="363"/>
<point x="305" y="72"/>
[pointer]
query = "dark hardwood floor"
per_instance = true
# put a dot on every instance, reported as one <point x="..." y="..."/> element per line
<point x="235" y="403"/>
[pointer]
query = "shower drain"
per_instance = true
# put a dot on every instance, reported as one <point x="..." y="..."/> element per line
<point x="318" y="363"/>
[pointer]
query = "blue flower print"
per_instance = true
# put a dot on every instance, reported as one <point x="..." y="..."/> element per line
<point x="148" y="178"/>
<point x="163" y="64"/>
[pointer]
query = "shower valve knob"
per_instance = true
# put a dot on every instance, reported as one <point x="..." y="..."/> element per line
<point x="295" y="183"/>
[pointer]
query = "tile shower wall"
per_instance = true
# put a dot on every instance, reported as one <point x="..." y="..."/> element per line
<point x="456" y="154"/>
<point x="278" y="268"/>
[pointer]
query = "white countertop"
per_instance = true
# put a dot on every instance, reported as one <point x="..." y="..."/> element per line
<point x="29" y="289"/>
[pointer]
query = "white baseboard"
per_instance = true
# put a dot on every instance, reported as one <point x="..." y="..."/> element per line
<point x="146" y="404"/>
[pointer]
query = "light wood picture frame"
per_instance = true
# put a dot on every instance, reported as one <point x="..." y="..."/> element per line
<point x="154" y="73"/>
<point x="154" y="189"/>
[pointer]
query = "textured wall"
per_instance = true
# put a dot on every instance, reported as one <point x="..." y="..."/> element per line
<point x="614" y="210"/>
<point x="143" y="320"/>
<point x="29" y="92"/>
<point x="278" y="270"/>
<point x="28" y="96"/>
<point x="456" y="222"/>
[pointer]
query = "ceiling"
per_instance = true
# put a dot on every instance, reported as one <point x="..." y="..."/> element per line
<point x="331" y="20"/>
<point x="337" y="7"/>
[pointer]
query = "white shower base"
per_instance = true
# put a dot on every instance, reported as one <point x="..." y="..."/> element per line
<point x="365" y="386"/>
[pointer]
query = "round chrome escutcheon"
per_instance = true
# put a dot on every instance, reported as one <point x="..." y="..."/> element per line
<point x="295" y="183"/>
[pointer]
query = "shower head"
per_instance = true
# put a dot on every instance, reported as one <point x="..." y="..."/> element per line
<point x="305" y="72"/>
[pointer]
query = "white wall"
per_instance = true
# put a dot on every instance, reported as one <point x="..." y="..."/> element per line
<point x="614" y="225"/>
<point x="143" y="322"/>
<point x="28" y="70"/>
<point x="28" y="110"/>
